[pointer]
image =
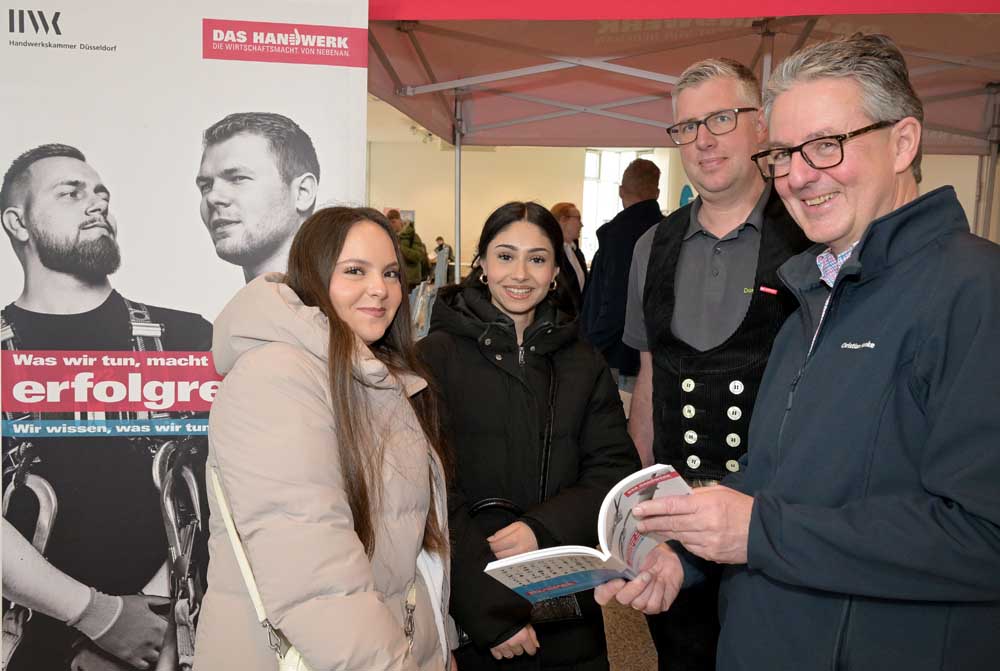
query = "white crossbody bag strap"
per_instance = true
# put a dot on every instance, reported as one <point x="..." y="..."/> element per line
<point x="241" y="555"/>
<point x="289" y="658"/>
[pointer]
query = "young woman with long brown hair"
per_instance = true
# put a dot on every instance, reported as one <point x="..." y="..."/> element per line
<point x="326" y="443"/>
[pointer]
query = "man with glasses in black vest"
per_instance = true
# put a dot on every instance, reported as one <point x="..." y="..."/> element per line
<point x="704" y="305"/>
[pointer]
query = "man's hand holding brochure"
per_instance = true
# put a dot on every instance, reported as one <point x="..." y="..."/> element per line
<point x="625" y="553"/>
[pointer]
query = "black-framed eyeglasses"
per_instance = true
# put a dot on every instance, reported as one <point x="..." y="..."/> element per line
<point x="820" y="153"/>
<point x="717" y="123"/>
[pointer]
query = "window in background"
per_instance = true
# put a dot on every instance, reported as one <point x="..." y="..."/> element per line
<point x="602" y="176"/>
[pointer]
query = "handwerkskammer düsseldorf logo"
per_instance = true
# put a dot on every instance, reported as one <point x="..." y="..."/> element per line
<point x="22" y="20"/>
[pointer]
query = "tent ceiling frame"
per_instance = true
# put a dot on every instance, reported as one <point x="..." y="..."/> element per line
<point x="956" y="95"/>
<point x="567" y="62"/>
<point x="580" y="109"/>
<point x="805" y="33"/>
<point x="926" y="70"/>
<point x="765" y="28"/>
<point x="383" y="58"/>
<point x="463" y="82"/>
<point x="952" y="59"/>
<point x="562" y="62"/>
<point x="700" y="40"/>
<point x="566" y="113"/>
<point x="961" y="132"/>
<point x="429" y="71"/>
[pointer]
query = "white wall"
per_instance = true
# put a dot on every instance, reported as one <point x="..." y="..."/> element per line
<point x="960" y="172"/>
<point x="420" y="177"/>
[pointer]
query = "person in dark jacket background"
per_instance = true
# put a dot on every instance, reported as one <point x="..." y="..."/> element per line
<point x="539" y="437"/>
<point x="602" y="318"/>
<point x="863" y="528"/>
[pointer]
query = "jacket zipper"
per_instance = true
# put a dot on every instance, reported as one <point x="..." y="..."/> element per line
<point x="520" y="355"/>
<point x="543" y="479"/>
<point x="827" y="306"/>
<point x="839" y="659"/>
<point x="839" y="644"/>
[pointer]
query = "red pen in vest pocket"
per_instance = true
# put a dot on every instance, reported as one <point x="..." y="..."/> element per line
<point x="769" y="290"/>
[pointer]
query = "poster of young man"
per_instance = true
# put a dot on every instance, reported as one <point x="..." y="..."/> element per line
<point x="154" y="159"/>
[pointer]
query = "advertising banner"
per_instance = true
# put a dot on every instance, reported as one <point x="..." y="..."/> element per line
<point x="155" y="158"/>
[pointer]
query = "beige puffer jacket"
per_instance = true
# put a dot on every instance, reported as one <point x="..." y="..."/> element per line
<point x="271" y="437"/>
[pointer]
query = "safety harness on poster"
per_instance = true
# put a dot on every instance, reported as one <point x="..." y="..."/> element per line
<point x="174" y="476"/>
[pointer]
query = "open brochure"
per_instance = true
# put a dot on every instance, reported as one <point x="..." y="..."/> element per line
<point x="554" y="572"/>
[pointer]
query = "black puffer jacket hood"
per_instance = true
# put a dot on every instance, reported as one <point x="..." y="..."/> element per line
<point x="466" y="311"/>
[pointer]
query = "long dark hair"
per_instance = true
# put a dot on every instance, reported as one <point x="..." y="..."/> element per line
<point x="311" y="261"/>
<point x="510" y="213"/>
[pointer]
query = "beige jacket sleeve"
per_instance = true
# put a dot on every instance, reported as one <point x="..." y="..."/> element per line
<point x="273" y="442"/>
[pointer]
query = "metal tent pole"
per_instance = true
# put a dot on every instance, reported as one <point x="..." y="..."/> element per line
<point x="991" y="185"/>
<point x="977" y="209"/>
<point x="765" y="69"/>
<point x="458" y="188"/>
<point x="991" y="171"/>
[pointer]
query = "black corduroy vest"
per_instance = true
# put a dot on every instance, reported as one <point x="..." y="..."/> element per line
<point x="702" y="400"/>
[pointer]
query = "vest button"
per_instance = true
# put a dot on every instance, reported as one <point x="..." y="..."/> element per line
<point x="687" y="385"/>
<point x="487" y="342"/>
<point x="734" y="413"/>
<point x="498" y="357"/>
<point x="732" y="466"/>
<point x="690" y="437"/>
<point x="736" y="387"/>
<point x="694" y="461"/>
<point x="733" y="440"/>
<point x="688" y="411"/>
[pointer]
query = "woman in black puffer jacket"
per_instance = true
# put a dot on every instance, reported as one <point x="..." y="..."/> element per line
<point x="539" y="437"/>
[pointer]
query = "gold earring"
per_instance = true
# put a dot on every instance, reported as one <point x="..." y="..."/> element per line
<point x="482" y="278"/>
<point x="553" y="285"/>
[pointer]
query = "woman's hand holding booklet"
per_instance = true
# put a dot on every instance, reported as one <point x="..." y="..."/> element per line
<point x="558" y="571"/>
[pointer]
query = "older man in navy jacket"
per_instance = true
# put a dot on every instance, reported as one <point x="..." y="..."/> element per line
<point x="863" y="530"/>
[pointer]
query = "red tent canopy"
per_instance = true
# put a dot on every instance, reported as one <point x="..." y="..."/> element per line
<point x="568" y="10"/>
<point x="600" y="74"/>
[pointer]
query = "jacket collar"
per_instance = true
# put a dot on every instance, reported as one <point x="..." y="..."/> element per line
<point x="468" y="312"/>
<point x="888" y="240"/>
<point x="755" y="218"/>
<point x="635" y="214"/>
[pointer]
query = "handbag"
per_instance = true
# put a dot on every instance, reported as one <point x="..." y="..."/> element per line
<point x="289" y="658"/>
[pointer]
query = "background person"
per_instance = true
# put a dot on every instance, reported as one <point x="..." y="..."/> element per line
<point x="539" y="435"/>
<point x="258" y="179"/>
<point x="602" y="318"/>
<point x="327" y="445"/>
<point x="573" y="264"/>
<point x="863" y="529"/>
<point x="412" y="247"/>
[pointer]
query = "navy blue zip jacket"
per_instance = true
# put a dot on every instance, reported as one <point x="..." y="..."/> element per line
<point x="875" y="461"/>
<point x="602" y="318"/>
